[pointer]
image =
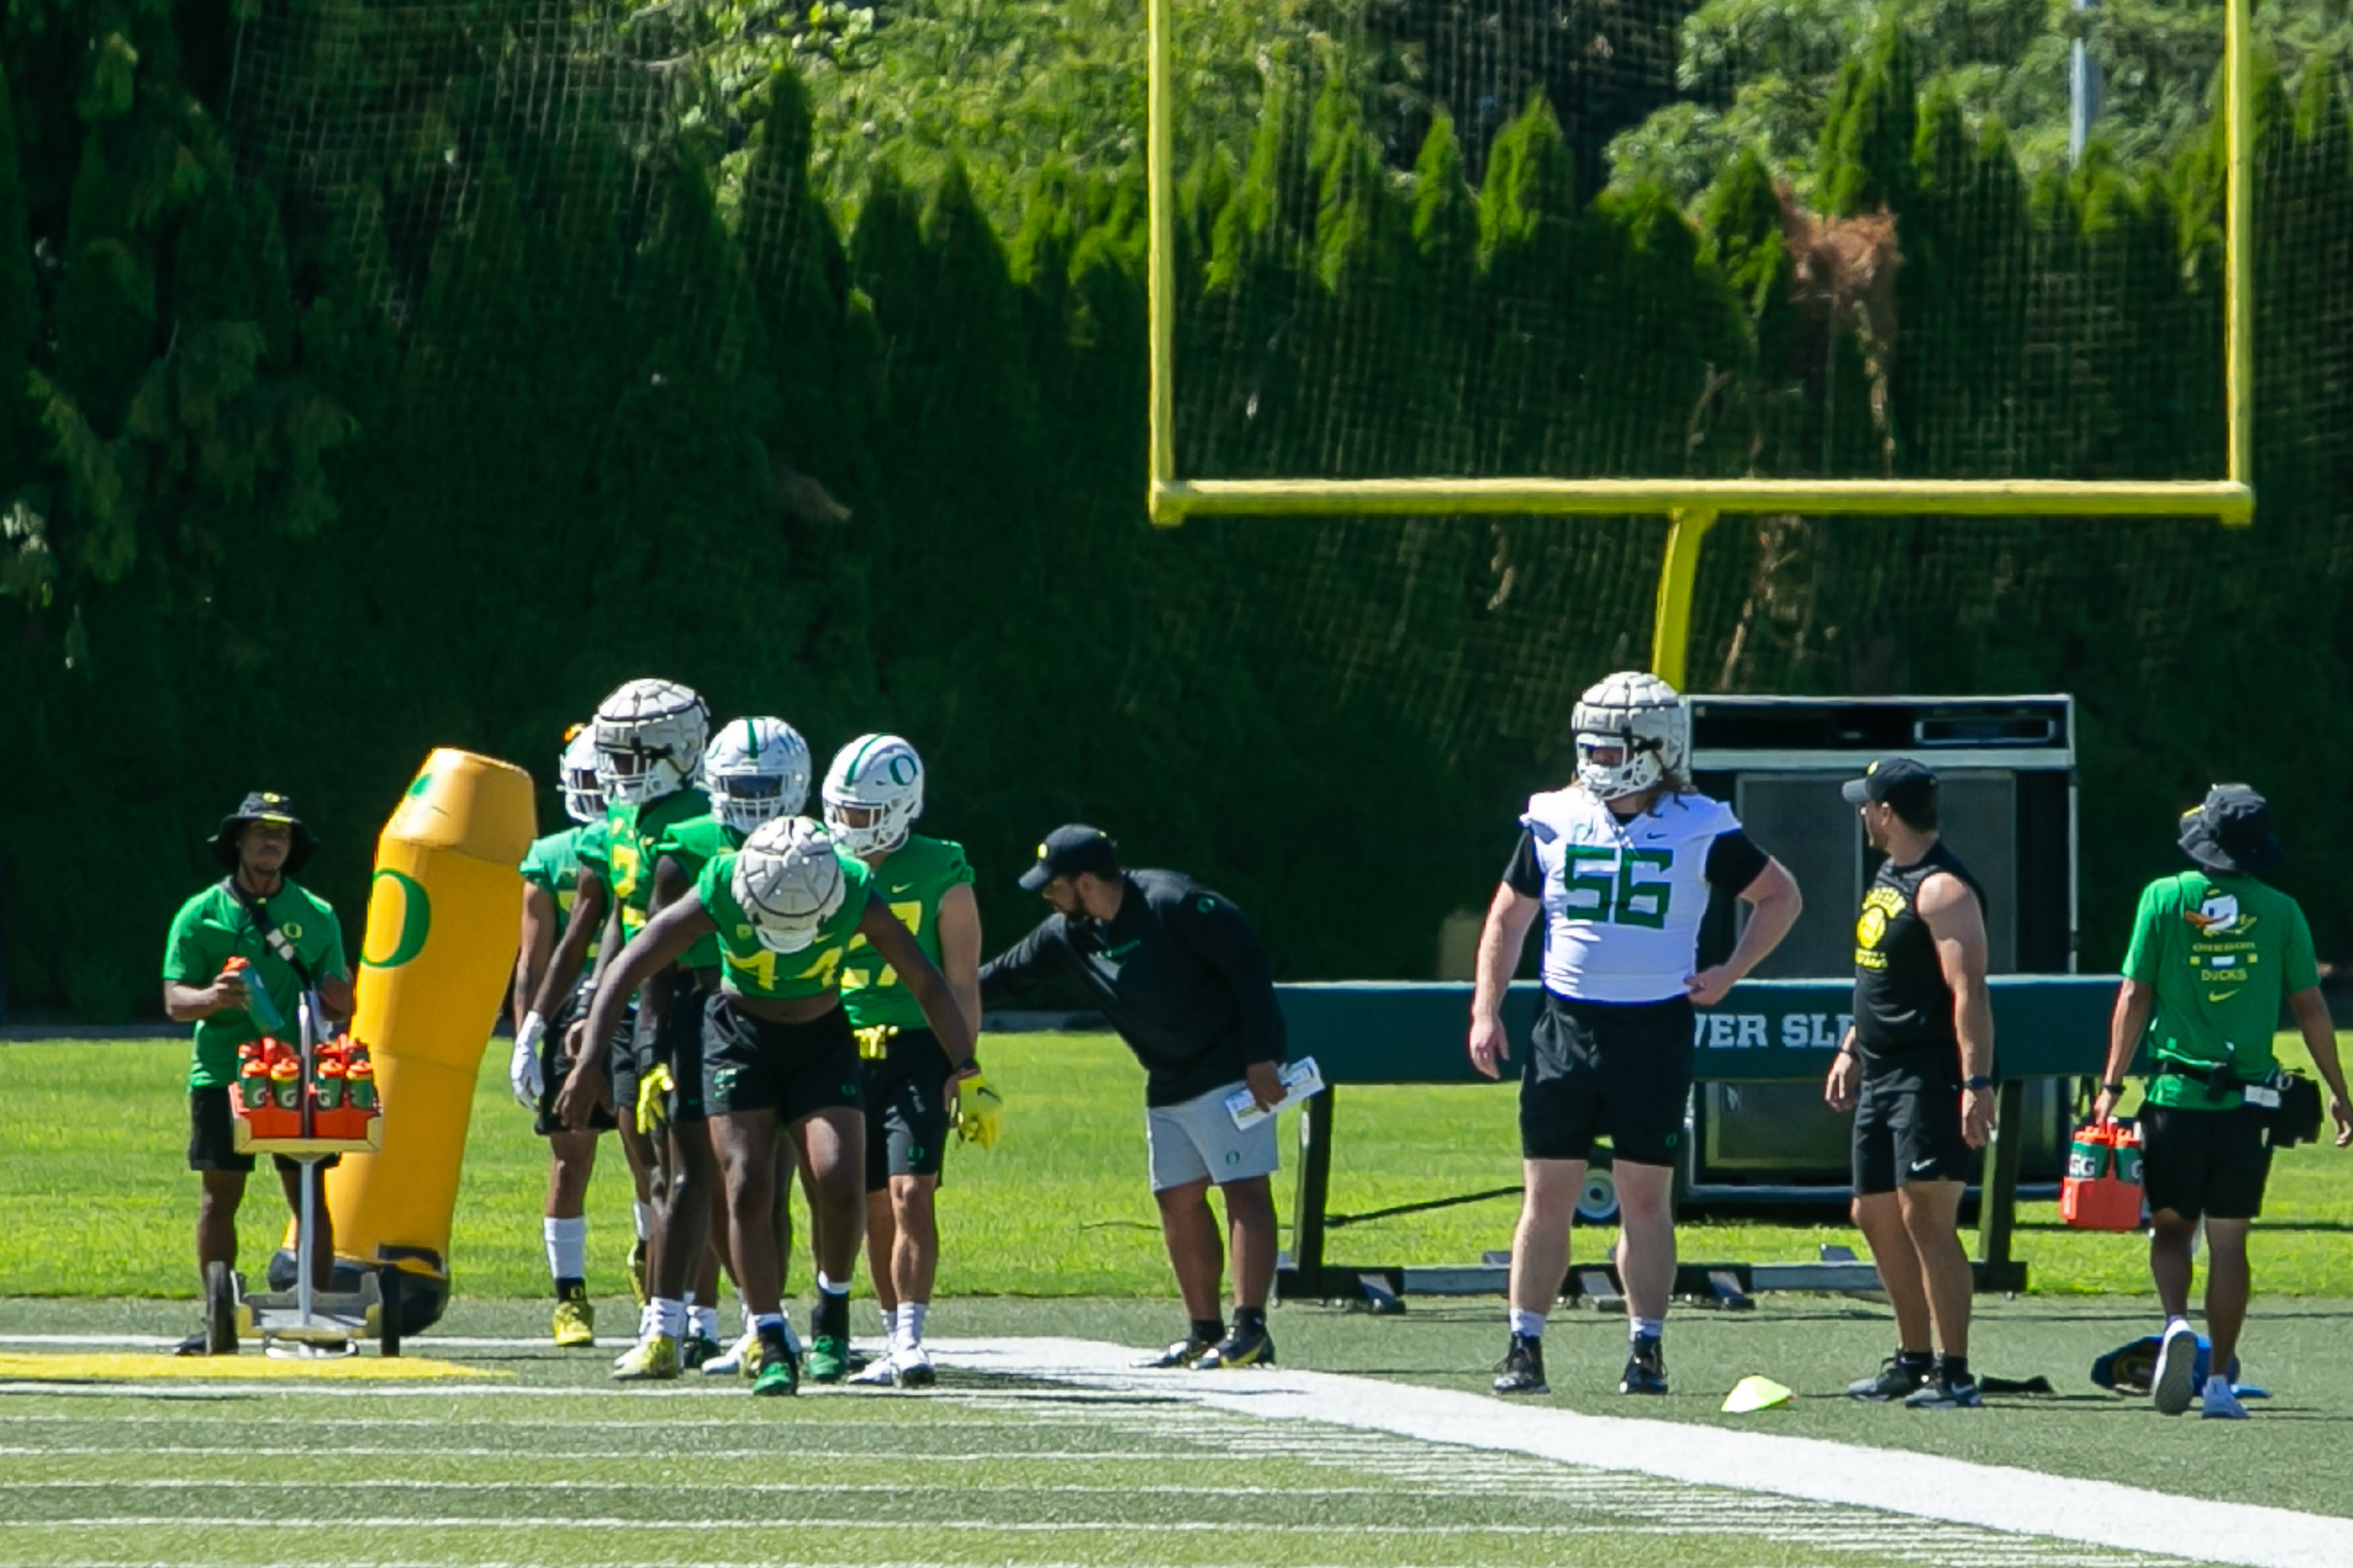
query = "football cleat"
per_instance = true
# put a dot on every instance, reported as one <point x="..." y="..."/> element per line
<point x="828" y="1358"/>
<point x="735" y="1358"/>
<point x="910" y="1366"/>
<point x="1943" y="1393"/>
<point x="1646" y="1369"/>
<point x="1183" y="1354"/>
<point x="1240" y="1347"/>
<point x="878" y="1373"/>
<point x="575" y="1319"/>
<point x="653" y="1359"/>
<point x="1523" y="1369"/>
<point x="756" y="769"/>
<point x="1894" y="1379"/>
<point x="873" y="792"/>
<point x="637" y="1270"/>
<point x="773" y="1368"/>
<point x="789" y="880"/>
<point x="2176" y="1380"/>
<point x="697" y="1350"/>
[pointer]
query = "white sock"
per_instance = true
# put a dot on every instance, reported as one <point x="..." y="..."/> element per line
<point x="1528" y="1325"/>
<point x="826" y="1285"/>
<point x="642" y="1216"/>
<point x="758" y="1320"/>
<point x="1645" y="1328"/>
<point x="889" y="1316"/>
<point x="908" y="1329"/>
<point x="704" y="1320"/>
<point x="751" y="1318"/>
<point x="650" y="1319"/>
<point x="568" y="1246"/>
<point x="669" y="1316"/>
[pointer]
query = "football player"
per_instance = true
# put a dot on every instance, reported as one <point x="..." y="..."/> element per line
<point x="779" y="1052"/>
<point x="650" y="736"/>
<point x="754" y="769"/>
<point x="552" y="888"/>
<point x="873" y="793"/>
<point x="1621" y="863"/>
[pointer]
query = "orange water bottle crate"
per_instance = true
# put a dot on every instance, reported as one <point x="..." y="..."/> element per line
<point x="2102" y="1189"/>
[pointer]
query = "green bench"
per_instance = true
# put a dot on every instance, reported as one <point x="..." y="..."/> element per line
<point x="1382" y="1032"/>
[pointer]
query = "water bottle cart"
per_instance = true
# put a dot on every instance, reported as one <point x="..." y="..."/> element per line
<point x="305" y="1322"/>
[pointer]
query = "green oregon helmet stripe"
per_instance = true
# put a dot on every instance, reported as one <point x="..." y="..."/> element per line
<point x="871" y="741"/>
<point x="754" y="730"/>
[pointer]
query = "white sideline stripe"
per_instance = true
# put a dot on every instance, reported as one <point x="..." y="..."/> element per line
<point x="1990" y="1496"/>
<point x="752" y="1527"/>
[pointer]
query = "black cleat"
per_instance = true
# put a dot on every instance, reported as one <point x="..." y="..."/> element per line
<point x="1646" y="1369"/>
<point x="1894" y="1379"/>
<point x="1523" y="1369"/>
<point x="1240" y="1347"/>
<point x="1183" y="1354"/>
<point x="1943" y="1393"/>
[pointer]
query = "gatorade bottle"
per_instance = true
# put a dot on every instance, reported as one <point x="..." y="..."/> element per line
<point x="2102" y="1190"/>
<point x="258" y="1005"/>
<point x="252" y="1085"/>
<point x="359" y="1082"/>
<point x="327" y="1082"/>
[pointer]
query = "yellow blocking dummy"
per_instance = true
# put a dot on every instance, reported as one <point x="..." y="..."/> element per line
<point x="440" y="946"/>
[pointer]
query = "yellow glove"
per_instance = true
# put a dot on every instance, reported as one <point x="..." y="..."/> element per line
<point x="979" y="1112"/>
<point x="653" y="1114"/>
<point x="874" y="1041"/>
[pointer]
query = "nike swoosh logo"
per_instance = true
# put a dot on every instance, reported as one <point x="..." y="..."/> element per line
<point x="901" y="887"/>
<point x="2224" y="995"/>
<point x="1920" y="1165"/>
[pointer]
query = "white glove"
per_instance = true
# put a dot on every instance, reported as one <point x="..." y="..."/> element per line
<point x="523" y="1071"/>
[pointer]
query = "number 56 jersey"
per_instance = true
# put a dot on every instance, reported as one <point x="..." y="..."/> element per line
<point x="1623" y="896"/>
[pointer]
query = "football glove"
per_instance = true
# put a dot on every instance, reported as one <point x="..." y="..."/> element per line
<point x="523" y="1070"/>
<point x="653" y="1110"/>
<point x="874" y="1041"/>
<point x="979" y="1112"/>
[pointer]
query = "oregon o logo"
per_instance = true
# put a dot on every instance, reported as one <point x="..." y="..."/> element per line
<point x="399" y="920"/>
<point x="902" y="769"/>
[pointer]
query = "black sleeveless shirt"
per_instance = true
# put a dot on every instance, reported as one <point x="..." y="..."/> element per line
<point x="1901" y="1001"/>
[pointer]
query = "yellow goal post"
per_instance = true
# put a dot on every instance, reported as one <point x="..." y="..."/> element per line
<point x="1693" y="506"/>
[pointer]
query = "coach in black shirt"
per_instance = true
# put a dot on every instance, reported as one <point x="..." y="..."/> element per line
<point x="1182" y="977"/>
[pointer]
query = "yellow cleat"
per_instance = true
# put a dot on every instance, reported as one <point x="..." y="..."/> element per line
<point x="637" y="1270"/>
<point x="575" y="1321"/>
<point x="653" y="1359"/>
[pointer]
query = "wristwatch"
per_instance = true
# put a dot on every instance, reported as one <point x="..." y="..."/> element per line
<point x="2112" y="1088"/>
<point x="1981" y="1081"/>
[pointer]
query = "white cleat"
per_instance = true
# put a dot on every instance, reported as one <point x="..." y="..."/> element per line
<point x="729" y="1363"/>
<point x="2175" y="1378"/>
<point x="912" y="1365"/>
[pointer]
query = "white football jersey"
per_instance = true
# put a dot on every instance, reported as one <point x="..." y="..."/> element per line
<point x="1623" y="898"/>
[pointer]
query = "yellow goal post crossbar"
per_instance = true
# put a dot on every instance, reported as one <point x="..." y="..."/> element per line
<point x="1693" y="505"/>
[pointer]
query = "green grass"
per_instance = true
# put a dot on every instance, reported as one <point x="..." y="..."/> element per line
<point x="95" y="1199"/>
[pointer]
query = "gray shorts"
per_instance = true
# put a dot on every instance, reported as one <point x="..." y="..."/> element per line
<point x="1197" y="1140"/>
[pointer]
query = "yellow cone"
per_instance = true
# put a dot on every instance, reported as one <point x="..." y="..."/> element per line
<point x="1755" y="1394"/>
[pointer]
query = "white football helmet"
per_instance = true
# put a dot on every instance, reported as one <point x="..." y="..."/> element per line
<point x="756" y="769"/>
<point x="873" y="793"/>
<point x="651" y="735"/>
<point x="1643" y="718"/>
<point x="584" y="785"/>
<point x="789" y="881"/>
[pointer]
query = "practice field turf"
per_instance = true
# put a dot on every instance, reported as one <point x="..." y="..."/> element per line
<point x="95" y="1199"/>
<point x="534" y="1456"/>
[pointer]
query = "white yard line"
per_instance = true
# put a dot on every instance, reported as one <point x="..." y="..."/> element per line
<point x="1923" y="1486"/>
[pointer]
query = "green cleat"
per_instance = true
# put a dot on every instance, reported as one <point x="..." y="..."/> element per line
<point x="828" y="1358"/>
<point x="774" y="1369"/>
<point x="653" y="1359"/>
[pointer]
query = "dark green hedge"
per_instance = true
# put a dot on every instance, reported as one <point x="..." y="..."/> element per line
<point x="336" y="447"/>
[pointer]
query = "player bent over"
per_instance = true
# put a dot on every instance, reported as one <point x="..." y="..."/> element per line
<point x="753" y="769"/>
<point x="1620" y="864"/>
<point x="873" y="793"/>
<point x="777" y="1051"/>
<point x="552" y="892"/>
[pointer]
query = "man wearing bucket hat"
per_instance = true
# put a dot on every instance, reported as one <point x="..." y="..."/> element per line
<point x="2214" y="952"/>
<point x="289" y="943"/>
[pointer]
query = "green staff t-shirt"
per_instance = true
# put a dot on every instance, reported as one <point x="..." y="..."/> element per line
<point x="213" y="927"/>
<point x="2221" y="954"/>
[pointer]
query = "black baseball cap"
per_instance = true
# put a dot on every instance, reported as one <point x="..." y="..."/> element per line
<point x="1898" y="782"/>
<point x="1068" y="851"/>
<point x="2230" y="832"/>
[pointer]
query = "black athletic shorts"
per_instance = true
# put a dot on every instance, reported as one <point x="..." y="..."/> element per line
<point x="1907" y="1122"/>
<point x="212" y="1136"/>
<point x="1614" y="1068"/>
<point x="2212" y="1164"/>
<point x="554" y="1066"/>
<point x="906" y="1109"/>
<point x="675" y="1042"/>
<point x="794" y="1070"/>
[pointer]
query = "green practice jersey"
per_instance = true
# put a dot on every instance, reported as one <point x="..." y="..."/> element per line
<point x="632" y="835"/>
<point x="912" y="881"/>
<point x="693" y="843"/>
<point x="213" y="927"/>
<point x="752" y="969"/>
<point x="2221" y="953"/>
<point x="552" y="865"/>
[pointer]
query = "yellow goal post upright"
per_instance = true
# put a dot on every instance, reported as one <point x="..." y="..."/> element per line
<point x="1693" y="506"/>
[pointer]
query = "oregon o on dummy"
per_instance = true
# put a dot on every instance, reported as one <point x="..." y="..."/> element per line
<point x="434" y="967"/>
